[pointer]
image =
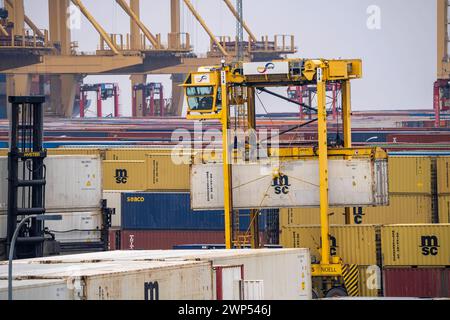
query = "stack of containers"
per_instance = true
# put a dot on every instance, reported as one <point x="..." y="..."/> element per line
<point x="73" y="190"/>
<point x="416" y="260"/>
<point x="410" y="198"/>
<point x="410" y="201"/>
<point x="150" y="194"/>
<point x="443" y="188"/>
<point x="354" y="244"/>
<point x="3" y="100"/>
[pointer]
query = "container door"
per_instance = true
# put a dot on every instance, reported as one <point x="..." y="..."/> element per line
<point x="227" y="280"/>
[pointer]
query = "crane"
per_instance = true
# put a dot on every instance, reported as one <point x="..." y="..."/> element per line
<point x="212" y="92"/>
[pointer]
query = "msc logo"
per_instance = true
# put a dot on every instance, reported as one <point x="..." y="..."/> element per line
<point x="151" y="291"/>
<point x="281" y="184"/>
<point x="429" y="245"/>
<point x="121" y="176"/>
<point x="358" y="215"/>
<point x="268" y="66"/>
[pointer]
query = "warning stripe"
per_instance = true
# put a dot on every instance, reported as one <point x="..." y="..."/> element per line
<point x="351" y="277"/>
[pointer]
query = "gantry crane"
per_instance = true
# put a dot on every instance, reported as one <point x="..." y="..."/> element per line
<point x="210" y="94"/>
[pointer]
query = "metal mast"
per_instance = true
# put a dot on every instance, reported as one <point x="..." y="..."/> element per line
<point x="240" y="31"/>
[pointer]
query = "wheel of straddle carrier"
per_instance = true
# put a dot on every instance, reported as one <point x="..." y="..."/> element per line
<point x="336" y="292"/>
<point x="315" y="294"/>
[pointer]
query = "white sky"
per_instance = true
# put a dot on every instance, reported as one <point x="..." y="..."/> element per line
<point x="399" y="59"/>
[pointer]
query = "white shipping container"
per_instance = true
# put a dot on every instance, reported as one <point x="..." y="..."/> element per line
<point x="253" y="290"/>
<point x="286" y="273"/>
<point x="113" y="199"/>
<point x="37" y="290"/>
<point x="123" y="280"/>
<point x="77" y="227"/>
<point x="73" y="182"/>
<point x="289" y="184"/>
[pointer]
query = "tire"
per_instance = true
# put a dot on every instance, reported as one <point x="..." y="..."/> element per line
<point x="336" y="292"/>
<point x="315" y="294"/>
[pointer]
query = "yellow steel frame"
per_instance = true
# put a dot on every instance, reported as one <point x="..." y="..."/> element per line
<point x="320" y="72"/>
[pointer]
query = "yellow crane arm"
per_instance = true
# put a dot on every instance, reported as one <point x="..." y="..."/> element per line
<point x="205" y="27"/>
<point x="141" y="26"/>
<point x="97" y="26"/>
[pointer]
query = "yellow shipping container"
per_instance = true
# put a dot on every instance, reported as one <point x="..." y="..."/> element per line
<point x="354" y="244"/>
<point x="416" y="245"/>
<point x="444" y="209"/>
<point x="409" y="174"/>
<point x="443" y="174"/>
<point x="369" y="281"/>
<point x="401" y="209"/>
<point x="138" y="153"/>
<point x="3" y="152"/>
<point x="76" y="152"/>
<point x="309" y="216"/>
<point x="125" y="175"/>
<point x="166" y="175"/>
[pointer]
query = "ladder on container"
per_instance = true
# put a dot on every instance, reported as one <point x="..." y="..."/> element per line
<point x="26" y="175"/>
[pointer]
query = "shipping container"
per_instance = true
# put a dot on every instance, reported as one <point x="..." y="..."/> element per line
<point x="167" y="239"/>
<point x="354" y="244"/>
<point x="73" y="183"/>
<point x="113" y="201"/>
<point x="171" y="211"/>
<point x="296" y="184"/>
<point x="443" y="175"/>
<point x="416" y="245"/>
<point x="414" y="208"/>
<point x="444" y="208"/>
<point x="114" y="239"/>
<point x="76" y="152"/>
<point x="125" y="175"/>
<point x="37" y="290"/>
<point x="370" y="281"/>
<point x="308" y="216"/>
<point x="416" y="282"/>
<point x="165" y="174"/>
<point x="286" y="273"/>
<point x="125" y="280"/>
<point x="123" y="154"/>
<point x="77" y="227"/>
<point x="409" y="174"/>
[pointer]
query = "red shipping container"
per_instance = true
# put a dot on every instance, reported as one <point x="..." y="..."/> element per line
<point x="418" y="138"/>
<point x="114" y="238"/>
<point x="416" y="282"/>
<point x="166" y="239"/>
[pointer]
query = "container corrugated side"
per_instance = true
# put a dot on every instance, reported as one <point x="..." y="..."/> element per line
<point x="77" y="226"/>
<point x="412" y="208"/>
<point x="416" y="245"/>
<point x="409" y="174"/>
<point x="370" y="281"/>
<point x="37" y="290"/>
<point x="416" y="282"/>
<point x="167" y="239"/>
<point x="444" y="208"/>
<point x="125" y="280"/>
<point x="171" y="211"/>
<point x="354" y="244"/>
<point x="76" y="152"/>
<point x="125" y="175"/>
<point x="308" y="216"/>
<point x="123" y="154"/>
<point x="74" y="183"/>
<point x="443" y="175"/>
<point x="164" y="174"/>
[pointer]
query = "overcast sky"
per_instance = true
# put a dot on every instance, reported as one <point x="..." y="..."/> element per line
<point x="398" y="50"/>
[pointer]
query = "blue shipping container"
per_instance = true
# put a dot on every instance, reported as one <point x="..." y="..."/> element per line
<point x="172" y="211"/>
